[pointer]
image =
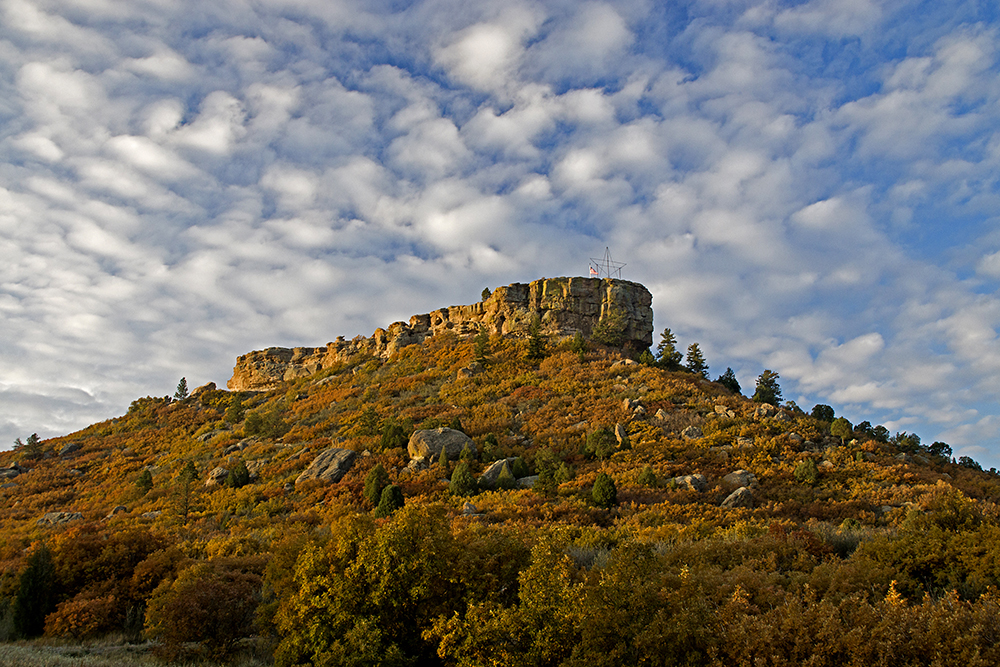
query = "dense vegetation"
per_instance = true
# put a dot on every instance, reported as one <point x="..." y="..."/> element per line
<point x="858" y="548"/>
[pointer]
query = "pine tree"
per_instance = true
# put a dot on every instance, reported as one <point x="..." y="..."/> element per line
<point x="462" y="482"/>
<point x="145" y="482"/>
<point x="610" y="329"/>
<point x="239" y="476"/>
<point x="390" y="501"/>
<point x="443" y="460"/>
<point x="579" y="345"/>
<point x="506" y="480"/>
<point x="667" y="355"/>
<point x="604" y="493"/>
<point x="536" y="343"/>
<point x="696" y="361"/>
<point x="481" y="346"/>
<point x="375" y="482"/>
<point x="35" y="594"/>
<point x="485" y="293"/>
<point x="182" y="390"/>
<point x="767" y="390"/>
<point x="729" y="381"/>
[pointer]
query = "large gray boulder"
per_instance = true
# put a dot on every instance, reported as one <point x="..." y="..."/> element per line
<point x="427" y="443"/>
<point x="692" y="433"/>
<point x="741" y="497"/>
<point x="330" y="466"/>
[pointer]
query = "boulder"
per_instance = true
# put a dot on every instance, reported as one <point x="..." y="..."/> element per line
<point x="691" y="433"/>
<point x="330" y="466"/>
<point x="427" y="443"/>
<point x="151" y="515"/>
<point x="69" y="448"/>
<point x="661" y="415"/>
<point x="470" y="371"/>
<point x="744" y="442"/>
<point x="489" y="477"/>
<point x="468" y="509"/>
<point x="741" y="497"/>
<point x="217" y="476"/>
<point x="724" y="411"/>
<point x="9" y="473"/>
<point x="203" y="388"/>
<point x="527" y="482"/>
<point x="765" y="411"/>
<point x="694" y="482"/>
<point x="121" y="509"/>
<point x="639" y="412"/>
<point x="621" y="435"/>
<point x="205" y="437"/>
<point x="55" y="518"/>
<point x="739" y="478"/>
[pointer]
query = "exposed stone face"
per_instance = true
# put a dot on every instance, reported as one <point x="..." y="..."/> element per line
<point x="427" y="443"/>
<point x="564" y="306"/>
<point x="330" y="466"/>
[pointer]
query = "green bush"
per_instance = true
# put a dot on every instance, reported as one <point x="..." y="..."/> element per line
<point x="391" y="500"/>
<point x="376" y="480"/>
<point x="647" y="477"/>
<point x="601" y="443"/>
<point x="462" y="481"/>
<point x="604" y="493"/>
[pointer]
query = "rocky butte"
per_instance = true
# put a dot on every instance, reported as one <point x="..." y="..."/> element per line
<point x="564" y="306"/>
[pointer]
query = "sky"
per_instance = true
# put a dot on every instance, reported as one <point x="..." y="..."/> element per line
<point x="807" y="187"/>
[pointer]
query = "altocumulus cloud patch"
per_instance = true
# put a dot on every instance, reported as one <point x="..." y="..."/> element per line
<point x="807" y="187"/>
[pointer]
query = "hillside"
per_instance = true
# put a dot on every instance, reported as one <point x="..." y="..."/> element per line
<point x="639" y="513"/>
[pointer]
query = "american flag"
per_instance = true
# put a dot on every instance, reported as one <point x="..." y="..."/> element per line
<point x="593" y="272"/>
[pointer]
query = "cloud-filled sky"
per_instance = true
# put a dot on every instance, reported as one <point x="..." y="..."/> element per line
<point x="809" y="187"/>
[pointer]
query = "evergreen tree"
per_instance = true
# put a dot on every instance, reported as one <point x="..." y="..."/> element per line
<point x="393" y="435"/>
<point x="767" y="390"/>
<point x="610" y="329"/>
<point x="667" y="355"/>
<point x="443" y="460"/>
<point x="647" y="358"/>
<point x="182" y="390"/>
<point x="807" y="472"/>
<point x="239" y="476"/>
<point x="462" y="482"/>
<point x="390" y="501"/>
<point x="519" y="468"/>
<point x="145" y="482"/>
<point x="375" y="482"/>
<point x="696" y="361"/>
<point x="481" y="346"/>
<point x="35" y="594"/>
<point x="822" y="412"/>
<point x="604" y="493"/>
<point x="186" y="480"/>
<point x="466" y="454"/>
<point x="579" y="345"/>
<point x="506" y="480"/>
<point x="486" y="293"/>
<point x="729" y="381"/>
<point x="456" y="424"/>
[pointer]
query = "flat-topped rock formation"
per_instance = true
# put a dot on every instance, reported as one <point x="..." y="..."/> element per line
<point x="564" y="307"/>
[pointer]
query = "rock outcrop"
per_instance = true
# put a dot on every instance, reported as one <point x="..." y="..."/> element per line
<point x="428" y="443"/>
<point x="330" y="466"/>
<point x="564" y="306"/>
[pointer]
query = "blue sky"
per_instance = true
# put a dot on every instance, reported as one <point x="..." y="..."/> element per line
<point x="809" y="187"/>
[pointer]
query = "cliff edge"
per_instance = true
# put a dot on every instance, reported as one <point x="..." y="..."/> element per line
<point x="564" y="307"/>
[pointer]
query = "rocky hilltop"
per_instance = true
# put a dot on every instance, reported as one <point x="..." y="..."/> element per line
<point x="564" y="307"/>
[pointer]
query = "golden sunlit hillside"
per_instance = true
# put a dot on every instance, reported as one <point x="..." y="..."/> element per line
<point x="491" y="498"/>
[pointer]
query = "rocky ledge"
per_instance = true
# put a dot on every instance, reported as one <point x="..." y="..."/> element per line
<point x="564" y="306"/>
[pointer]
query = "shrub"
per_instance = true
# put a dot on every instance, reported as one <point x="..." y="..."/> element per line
<point x="35" y="593"/>
<point x="842" y="429"/>
<point x="506" y="480"/>
<point x="391" y="500"/>
<point x="610" y="329"/>
<point x="207" y="603"/>
<point x="239" y="476"/>
<point x="462" y="481"/>
<point x="822" y="412"/>
<point x="519" y="468"/>
<point x="807" y="472"/>
<point x="647" y="477"/>
<point x="393" y="436"/>
<point x="145" y="482"/>
<point x="601" y="443"/>
<point x="376" y="480"/>
<point x="604" y="493"/>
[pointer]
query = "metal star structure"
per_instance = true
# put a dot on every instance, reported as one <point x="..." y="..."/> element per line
<point x="606" y="267"/>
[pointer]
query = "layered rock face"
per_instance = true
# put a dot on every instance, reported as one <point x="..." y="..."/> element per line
<point x="564" y="306"/>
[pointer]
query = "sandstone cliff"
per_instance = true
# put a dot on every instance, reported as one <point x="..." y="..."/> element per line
<point x="564" y="306"/>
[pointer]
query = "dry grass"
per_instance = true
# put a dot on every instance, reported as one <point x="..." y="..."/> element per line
<point x="78" y="655"/>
